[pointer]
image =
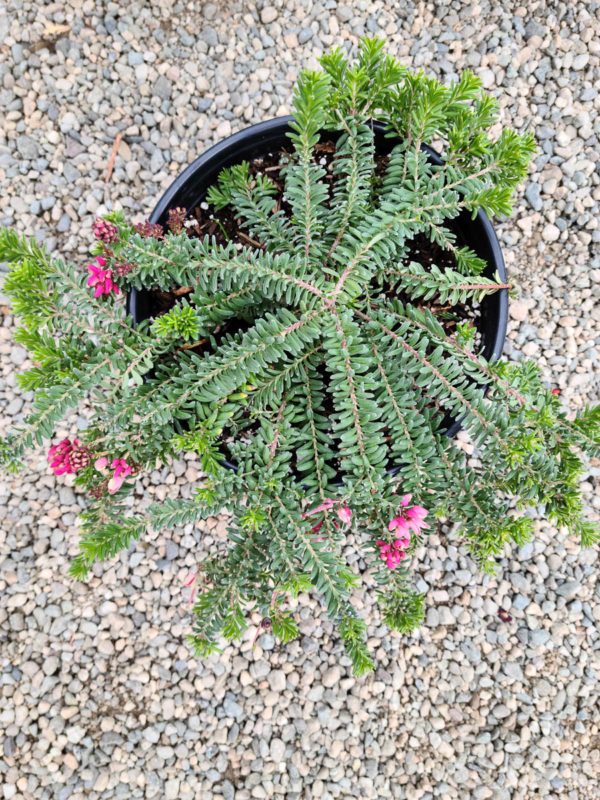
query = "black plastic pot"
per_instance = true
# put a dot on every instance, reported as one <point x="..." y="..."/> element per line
<point x="189" y="189"/>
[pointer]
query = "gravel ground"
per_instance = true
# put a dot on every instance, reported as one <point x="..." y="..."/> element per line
<point x="100" y="696"/>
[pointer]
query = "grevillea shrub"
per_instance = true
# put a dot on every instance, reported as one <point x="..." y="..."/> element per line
<point x="338" y="366"/>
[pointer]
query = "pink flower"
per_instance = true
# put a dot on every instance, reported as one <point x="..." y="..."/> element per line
<point x="101" y="278"/>
<point x="344" y="514"/>
<point x="68" y="456"/>
<point x="101" y="463"/>
<point x="58" y="457"/>
<point x="398" y="524"/>
<point x="325" y="506"/>
<point x="416" y="512"/>
<point x="394" y="558"/>
<point x="413" y="518"/>
<point x="385" y="549"/>
<point x="121" y="471"/>
<point x="190" y="579"/>
<point x="416" y="516"/>
<point x="555" y="391"/>
<point x="316" y="528"/>
<point x="400" y="543"/>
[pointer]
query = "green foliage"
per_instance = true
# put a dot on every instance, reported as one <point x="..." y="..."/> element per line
<point x="285" y="627"/>
<point x="180" y="322"/>
<point x="353" y="632"/>
<point x="402" y="608"/>
<point x="313" y="378"/>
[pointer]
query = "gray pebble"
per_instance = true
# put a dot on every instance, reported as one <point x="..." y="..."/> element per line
<point x="268" y="14"/>
<point x="50" y="665"/>
<point x="210" y="36"/>
<point x="233" y="734"/>
<point x="267" y="641"/>
<point x="110" y="739"/>
<point x="344" y="14"/>
<point x="534" y="28"/>
<point x="232" y="709"/>
<point x="331" y="676"/>
<point x="432" y="620"/>
<point x="227" y="789"/>
<point x="569" y="589"/>
<point x="520" y="602"/>
<point x="526" y="551"/>
<point x="532" y="193"/>
<point x="162" y="88"/>
<point x="305" y="35"/>
<point x="171" y="550"/>
<point x="70" y="172"/>
<point x="133" y="58"/>
<point x="64" y="223"/>
<point x="151" y="735"/>
<point x="17" y="53"/>
<point x="75" y="734"/>
<point x="28" y="147"/>
<point x="513" y="670"/>
<point x="18" y="355"/>
<point x="157" y="161"/>
<point x="66" y="496"/>
<point x="538" y="638"/>
<point x="210" y="11"/>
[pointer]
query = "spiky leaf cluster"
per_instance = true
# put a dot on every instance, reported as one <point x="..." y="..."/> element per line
<point x="330" y="387"/>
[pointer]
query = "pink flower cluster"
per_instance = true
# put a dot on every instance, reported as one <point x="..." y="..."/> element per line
<point x="412" y="518"/>
<point x="149" y="230"/>
<point x="393" y="553"/>
<point x="121" y="470"/>
<point x="101" y="278"/>
<point x="175" y="219"/>
<point x="342" y="511"/>
<point x="68" y="456"/>
<point x="106" y="231"/>
<point x="121" y="268"/>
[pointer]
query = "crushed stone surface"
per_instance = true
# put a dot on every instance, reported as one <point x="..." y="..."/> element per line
<point x="100" y="695"/>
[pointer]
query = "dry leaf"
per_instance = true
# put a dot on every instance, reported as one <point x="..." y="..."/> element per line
<point x="54" y="30"/>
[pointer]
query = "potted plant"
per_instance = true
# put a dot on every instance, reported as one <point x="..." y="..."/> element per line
<point x="314" y="308"/>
